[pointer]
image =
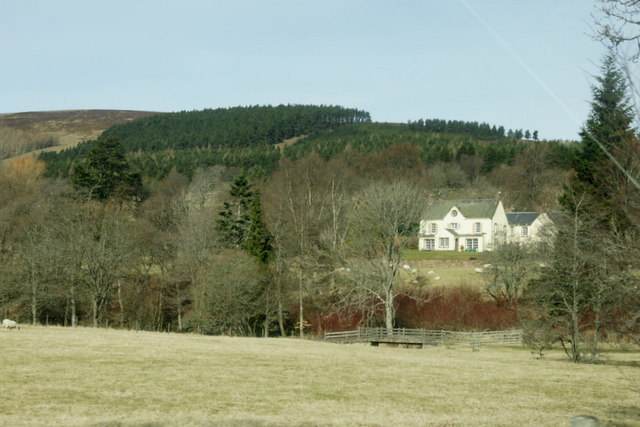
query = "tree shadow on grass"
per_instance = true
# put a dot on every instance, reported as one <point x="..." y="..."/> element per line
<point x="621" y="363"/>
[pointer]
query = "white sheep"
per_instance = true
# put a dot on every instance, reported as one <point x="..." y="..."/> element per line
<point x="478" y="270"/>
<point x="414" y="271"/>
<point x="10" y="324"/>
<point x="406" y="267"/>
<point x="436" y="278"/>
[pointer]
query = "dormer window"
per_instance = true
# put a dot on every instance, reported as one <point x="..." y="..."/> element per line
<point x="454" y="213"/>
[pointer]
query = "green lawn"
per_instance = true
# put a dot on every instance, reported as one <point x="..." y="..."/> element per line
<point x="416" y="255"/>
<point x="77" y="377"/>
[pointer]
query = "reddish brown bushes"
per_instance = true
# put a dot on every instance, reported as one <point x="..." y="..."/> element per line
<point x="458" y="308"/>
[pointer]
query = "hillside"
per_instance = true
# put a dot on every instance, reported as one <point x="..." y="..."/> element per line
<point x="257" y="137"/>
<point x="69" y="127"/>
<point x="239" y="136"/>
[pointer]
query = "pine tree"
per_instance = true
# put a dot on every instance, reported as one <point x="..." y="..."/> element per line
<point x="104" y="173"/>
<point x="607" y="135"/>
<point x="586" y="281"/>
<point x="234" y="219"/>
<point x="258" y="240"/>
<point x="241" y="222"/>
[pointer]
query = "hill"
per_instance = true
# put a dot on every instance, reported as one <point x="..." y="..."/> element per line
<point x="69" y="127"/>
<point x="257" y="137"/>
<point x="239" y="136"/>
<point x="85" y="376"/>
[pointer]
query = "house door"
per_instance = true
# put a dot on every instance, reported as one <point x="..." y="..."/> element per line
<point x="456" y="247"/>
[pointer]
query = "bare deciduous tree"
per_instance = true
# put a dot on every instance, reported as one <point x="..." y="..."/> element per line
<point x="382" y="219"/>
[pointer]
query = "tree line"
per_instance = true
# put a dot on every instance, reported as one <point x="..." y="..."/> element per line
<point x="227" y="136"/>
<point x="230" y="249"/>
<point x="475" y="129"/>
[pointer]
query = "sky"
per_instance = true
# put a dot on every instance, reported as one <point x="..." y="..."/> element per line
<point x="522" y="64"/>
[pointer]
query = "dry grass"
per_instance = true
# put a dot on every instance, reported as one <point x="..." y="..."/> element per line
<point x="69" y="127"/>
<point x="447" y="275"/>
<point x="58" y="376"/>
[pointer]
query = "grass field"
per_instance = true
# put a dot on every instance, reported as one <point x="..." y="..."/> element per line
<point x="84" y="376"/>
<point x="416" y="255"/>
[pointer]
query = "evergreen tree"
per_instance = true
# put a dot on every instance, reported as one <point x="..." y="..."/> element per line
<point x="258" y="240"/>
<point x="466" y="148"/>
<point x="241" y="222"/>
<point x="606" y="139"/>
<point x="586" y="282"/>
<point x="104" y="173"/>
<point x="535" y="135"/>
<point x="527" y="134"/>
<point x="234" y="219"/>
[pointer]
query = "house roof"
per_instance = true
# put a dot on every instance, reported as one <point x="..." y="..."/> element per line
<point x="522" y="218"/>
<point x="480" y="208"/>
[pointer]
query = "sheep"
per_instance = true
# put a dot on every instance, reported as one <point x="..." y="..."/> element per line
<point x="436" y="278"/>
<point x="584" y="421"/>
<point x="406" y="267"/>
<point x="10" y="324"/>
<point x="414" y="271"/>
<point x="430" y="272"/>
<point x="478" y="270"/>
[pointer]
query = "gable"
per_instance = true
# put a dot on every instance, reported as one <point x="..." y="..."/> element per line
<point x="481" y="208"/>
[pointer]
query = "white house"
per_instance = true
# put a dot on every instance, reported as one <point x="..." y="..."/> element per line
<point x="529" y="227"/>
<point x="471" y="225"/>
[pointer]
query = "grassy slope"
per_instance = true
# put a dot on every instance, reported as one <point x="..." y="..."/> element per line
<point x="58" y="376"/>
<point x="71" y="126"/>
<point x="450" y="267"/>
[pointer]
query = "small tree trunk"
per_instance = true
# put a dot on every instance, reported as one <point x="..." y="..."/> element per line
<point x="120" y="303"/>
<point x="74" y="315"/>
<point x="94" y="310"/>
<point x="389" y="311"/>
<point x="34" y="304"/>
<point x="300" y="304"/>
<point x="596" y="334"/>
<point x="281" y="317"/>
<point x="179" y="306"/>
<point x="575" y="334"/>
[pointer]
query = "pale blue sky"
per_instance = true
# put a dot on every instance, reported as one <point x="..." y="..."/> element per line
<point x="517" y="63"/>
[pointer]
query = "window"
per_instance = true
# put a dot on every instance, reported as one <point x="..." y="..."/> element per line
<point x="453" y="226"/>
<point x="434" y="228"/>
<point x="477" y="227"/>
<point x="472" y="244"/>
<point x="443" y="242"/>
<point x="454" y="213"/>
<point x="429" y="244"/>
<point x="525" y="231"/>
<point x="543" y="231"/>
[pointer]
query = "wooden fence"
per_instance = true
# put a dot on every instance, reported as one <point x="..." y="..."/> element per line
<point x="425" y="337"/>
